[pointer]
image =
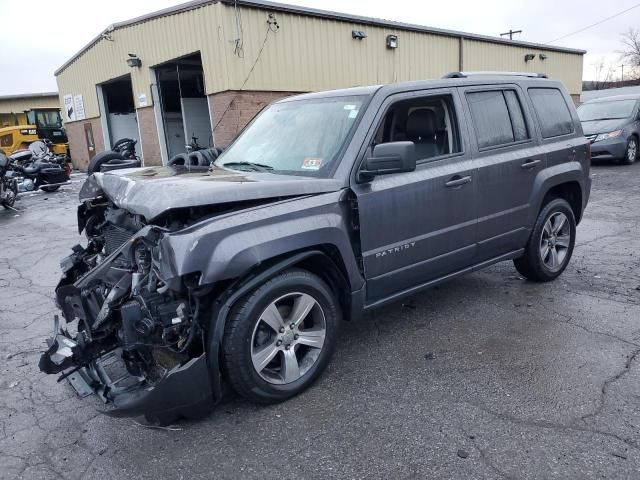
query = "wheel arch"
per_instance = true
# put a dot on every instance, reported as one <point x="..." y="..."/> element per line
<point x="569" y="191"/>
<point x="566" y="180"/>
<point x="323" y="260"/>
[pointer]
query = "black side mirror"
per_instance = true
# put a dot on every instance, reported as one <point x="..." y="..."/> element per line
<point x="392" y="157"/>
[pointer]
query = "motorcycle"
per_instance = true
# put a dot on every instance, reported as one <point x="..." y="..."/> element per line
<point x="37" y="168"/>
<point x="122" y="155"/>
<point x="8" y="186"/>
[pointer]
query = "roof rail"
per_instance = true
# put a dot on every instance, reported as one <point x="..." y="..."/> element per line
<point x="495" y="74"/>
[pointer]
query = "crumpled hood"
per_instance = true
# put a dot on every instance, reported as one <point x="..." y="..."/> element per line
<point x="153" y="191"/>
<point x="603" y="126"/>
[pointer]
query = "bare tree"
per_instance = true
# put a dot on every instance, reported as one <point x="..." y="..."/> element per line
<point x="631" y="43"/>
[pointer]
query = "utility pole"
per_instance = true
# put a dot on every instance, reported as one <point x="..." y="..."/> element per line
<point x="510" y="33"/>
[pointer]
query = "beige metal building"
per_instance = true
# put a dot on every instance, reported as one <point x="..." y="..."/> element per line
<point x="13" y="107"/>
<point x="204" y="68"/>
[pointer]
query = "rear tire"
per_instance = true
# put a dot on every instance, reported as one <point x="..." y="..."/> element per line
<point x="551" y="243"/>
<point x="631" y="153"/>
<point x="266" y="359"/>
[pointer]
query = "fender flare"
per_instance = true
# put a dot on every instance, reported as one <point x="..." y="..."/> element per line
<point x="552" y="177"/>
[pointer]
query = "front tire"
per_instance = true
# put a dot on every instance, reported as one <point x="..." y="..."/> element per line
<point x="551" y="243"/>
<point x="631" y="153"/>
<point x="279" y="338"/>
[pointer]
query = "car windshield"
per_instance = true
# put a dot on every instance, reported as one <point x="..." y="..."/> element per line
<point x="301" y="137"/>
<point x="613" y="110"/>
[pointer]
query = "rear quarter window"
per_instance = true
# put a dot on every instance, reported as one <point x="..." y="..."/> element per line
<point x="552" y="112"/>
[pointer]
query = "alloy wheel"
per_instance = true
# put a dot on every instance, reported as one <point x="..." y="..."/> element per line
<point x="288" y="338"/>
<point x="555" y="241"/>
<point x="632" y="150"/>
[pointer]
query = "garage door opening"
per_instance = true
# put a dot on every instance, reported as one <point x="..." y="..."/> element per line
<point x="120" y="111"/>
<point x="185" y="110"/>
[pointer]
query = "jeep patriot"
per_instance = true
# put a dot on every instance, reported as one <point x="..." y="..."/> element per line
<point x="197" y="279"/>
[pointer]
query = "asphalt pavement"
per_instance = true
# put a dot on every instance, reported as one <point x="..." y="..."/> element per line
<point x="487" y="376"/>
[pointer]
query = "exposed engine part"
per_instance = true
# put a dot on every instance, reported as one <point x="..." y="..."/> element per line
<point x="123" y="309"/>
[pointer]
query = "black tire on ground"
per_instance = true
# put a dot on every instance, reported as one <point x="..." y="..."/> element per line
<point x="532" y="265"/>
<point x="631" y="152"/>
<point x="243" y="320"/>
<point x="117" y="164"/>
<point x="50" y="189"/>
<point x="209" y="155"/>
<point x="179" y="159"/>
<point x="197" y="158"/>
<point x="214" y="152"/>
<point x="102" y="157"/>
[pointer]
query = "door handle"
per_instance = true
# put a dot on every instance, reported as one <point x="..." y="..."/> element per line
<point x="458" y="181"/>
<point x="530" y="164"/>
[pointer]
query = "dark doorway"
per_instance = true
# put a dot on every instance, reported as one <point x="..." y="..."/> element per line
<point x="185" y="110"/>
<point x="120" y="110"/>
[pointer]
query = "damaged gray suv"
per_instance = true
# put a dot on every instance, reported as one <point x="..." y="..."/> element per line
<point x="327" y="205"/>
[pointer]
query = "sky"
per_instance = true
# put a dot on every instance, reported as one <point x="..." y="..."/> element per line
<point x="38" y="36"/>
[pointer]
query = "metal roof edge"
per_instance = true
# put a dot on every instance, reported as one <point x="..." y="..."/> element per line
<point x="266" y="4"/>
<point x="28" y="95"/>
<point x="314" y="12"/>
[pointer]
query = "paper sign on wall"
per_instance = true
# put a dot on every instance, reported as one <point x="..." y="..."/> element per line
<point x="69" y="109"/>
<point x="79" y="106"/>
<point x="142" y="100"/>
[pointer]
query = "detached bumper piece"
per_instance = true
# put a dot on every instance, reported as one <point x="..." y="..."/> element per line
<point x="181" y="392"/>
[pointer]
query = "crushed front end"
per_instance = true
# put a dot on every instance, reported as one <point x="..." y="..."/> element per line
<point x="133" y="339"/>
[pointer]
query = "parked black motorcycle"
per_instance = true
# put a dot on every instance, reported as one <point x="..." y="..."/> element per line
<point x="37" y="168"/>
<point x="122" y="155"/>
<point x="8" y="186"/>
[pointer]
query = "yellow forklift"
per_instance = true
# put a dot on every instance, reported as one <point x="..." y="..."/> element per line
<point x="42" y="124"/>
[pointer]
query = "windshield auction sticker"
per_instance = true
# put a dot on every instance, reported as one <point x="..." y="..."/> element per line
<point x="311" y="163"/>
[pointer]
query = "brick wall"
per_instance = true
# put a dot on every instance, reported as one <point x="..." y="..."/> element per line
<point x="149" y="137"/>
<point x="78" y="141"/>
<point x="232" y="110"/>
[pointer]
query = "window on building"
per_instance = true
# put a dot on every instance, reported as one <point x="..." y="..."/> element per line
<point x="429" y="122"/>
<point x="497" y="117"/>
<point x="552" y="111"/>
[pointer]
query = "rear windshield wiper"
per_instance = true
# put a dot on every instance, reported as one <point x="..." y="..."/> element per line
<point x="257" y="167"/>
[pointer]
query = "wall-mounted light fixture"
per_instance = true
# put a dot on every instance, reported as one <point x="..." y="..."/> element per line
<point x="529" y="56"/>
<point x="392" y="41"/>
<point x="542" y="56"/>
<point x="358" y="34"/>
<point x="133" y="61"/>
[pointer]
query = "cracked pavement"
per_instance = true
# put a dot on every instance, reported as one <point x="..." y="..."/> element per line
<point x="524" y="380"/>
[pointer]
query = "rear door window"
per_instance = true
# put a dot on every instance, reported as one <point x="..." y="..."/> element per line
<point x="517" y="116"/>
<point x="552" y="112"/>
<point x="497" y="118"/>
